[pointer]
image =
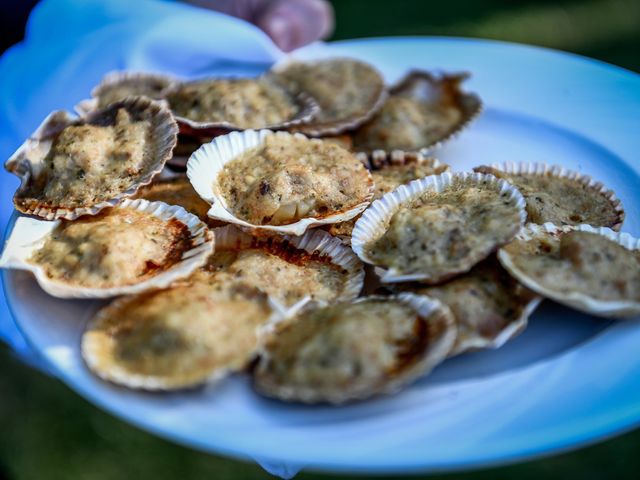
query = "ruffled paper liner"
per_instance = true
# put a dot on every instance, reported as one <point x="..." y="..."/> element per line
<point x="544" y="169"/>
<point x="28" y="161"/>
<point x="426" y="308"/>
<point x="339" y="126"/>
<point x="380" y="160"/>
<point x="375" y="220"/>
<point x="315" y="242"/>
<point x="469" y="104"/>
<point x="577" y="300"/>
<point x="29" y="235"/>
<point x="209" y="160"/>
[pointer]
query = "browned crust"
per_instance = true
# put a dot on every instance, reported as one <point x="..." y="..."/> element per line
<point x="140" y="108"/>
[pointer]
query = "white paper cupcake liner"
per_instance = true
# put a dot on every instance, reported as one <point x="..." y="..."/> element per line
<point x="438" y="350"/>
<point x="29" y="235"/>
<point x="209" y="160"/>
<point x="28" y="160"/>
<point x="374" y="221"/>
<point x="544" y="169"/>
<point x="577" y="300"/>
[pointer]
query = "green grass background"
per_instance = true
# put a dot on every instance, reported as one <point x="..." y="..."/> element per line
<point x="49" y="432"/>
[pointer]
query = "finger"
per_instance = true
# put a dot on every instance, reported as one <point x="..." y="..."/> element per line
<point x="294" y="23"/>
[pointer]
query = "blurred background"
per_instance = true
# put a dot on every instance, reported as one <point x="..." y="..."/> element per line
<point x="48" y="432"/>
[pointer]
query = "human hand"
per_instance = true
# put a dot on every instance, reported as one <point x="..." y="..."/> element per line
<point x="290" y="23"/>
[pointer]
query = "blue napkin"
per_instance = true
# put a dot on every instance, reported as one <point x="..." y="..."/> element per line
<point x="71" y="44"/>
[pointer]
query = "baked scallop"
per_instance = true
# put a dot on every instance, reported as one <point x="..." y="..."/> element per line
<point x="351" y="351"/>
<point x="389" y="171"/>
<point x="423" y="111"/>
<point x="177" y="190"/>
<point x="435" y="228"/>
<point x="490" y="307"/>
<point x="72" y="167"/>
<point x="314" y="266"/>
<point x="284" y="183"/>
<point x="348" y="91"/>
<point x="181" y="337"/>
<point x="595" y="270"/>
<point x="116" y="86"/>
<point x="560" y="196"/>
<point x="131" y="248"/>
<point x="219" y="105"/>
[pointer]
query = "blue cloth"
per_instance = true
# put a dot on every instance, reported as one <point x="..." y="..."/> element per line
<point x="71" y="44"/>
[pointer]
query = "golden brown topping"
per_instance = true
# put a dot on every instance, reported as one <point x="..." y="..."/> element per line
<point x="244" y="103"/>
<point x="562" y="200"/>
<point x="348" y="351"/>
<point x="176" y="338"/>
<point x="487" y="304"/>
<point x="421" y="111"/>
<point x="578" y="262"/>
<point x="348" y="92"/>
<point x="116" y="248"/>
<point x="289" y="178"/>
<point x="441" y="234"/>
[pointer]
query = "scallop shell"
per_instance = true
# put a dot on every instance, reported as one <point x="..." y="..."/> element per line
<point x="206" y="163"/>
<point x="543" y="169"/>
<point x="336" y="126"/>
<point x="577" y="300"/>
<point x="175" y="189"/>
<point x="307" y="109"/>
<point x="490" y="307"/>
<point x="381" y="160"/>
<point x="437" y="88"/>
<point x="28" y="161"/>
<point x="437" y="326"/>
<point x="115" y="79"/>
<point x="29" y="234"/>
<point x="316" y="243"/>
<point x="161" y="349"/>
<point x="374" y="221"/>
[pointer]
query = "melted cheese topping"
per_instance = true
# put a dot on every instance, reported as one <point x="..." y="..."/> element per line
<point x="441" y="234"/>
<point x="560" y="200"/>
<point x="289" y="278"/>
<point x="289" y="178"/>
<point x="244" y="103"/>
<point x="484" y="302"/>
<point x="580" y="262"/>
<point x="343" y="88"/>
<point x="407" y="124"/>
<point x="180" y="336"/>
<point x="344" y="349"/>
<point x="121" y="247"/>
<point x="90" y="163"/>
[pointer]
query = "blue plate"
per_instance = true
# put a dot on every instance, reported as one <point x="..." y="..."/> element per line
<point x="569" y="380"/>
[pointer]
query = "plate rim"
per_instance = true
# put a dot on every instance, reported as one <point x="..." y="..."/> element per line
<point x="612" y="429"/>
